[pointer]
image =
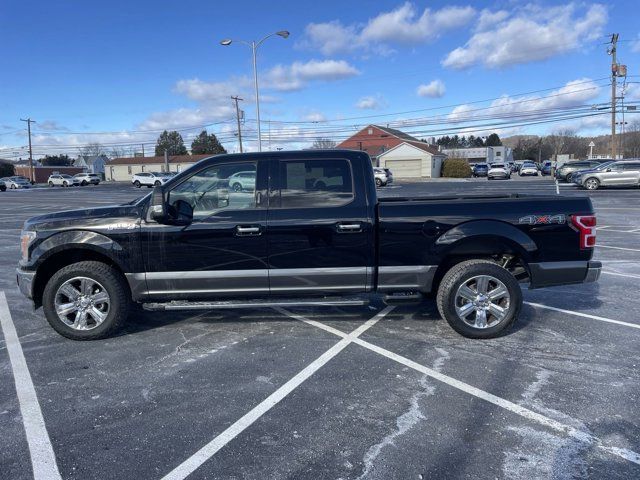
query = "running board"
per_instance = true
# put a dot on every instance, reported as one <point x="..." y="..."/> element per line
<point x="309" y="302"/>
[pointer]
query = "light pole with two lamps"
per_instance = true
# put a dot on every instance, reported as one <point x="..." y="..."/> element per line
<point x="254" y="47"/>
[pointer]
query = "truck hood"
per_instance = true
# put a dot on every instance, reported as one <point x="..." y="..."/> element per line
<point x="117" y="216"/>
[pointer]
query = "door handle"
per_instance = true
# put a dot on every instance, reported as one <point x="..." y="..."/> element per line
<point x="349" y="227"/>
<point x="248" y="230"/>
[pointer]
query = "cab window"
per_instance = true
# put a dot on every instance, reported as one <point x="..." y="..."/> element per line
<point x="315" y="183"/>
<point x="219" y="187"/>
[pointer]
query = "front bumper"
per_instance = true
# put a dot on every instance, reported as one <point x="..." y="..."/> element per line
<point x="25" y="281"/>
<point x="549" y="274"/>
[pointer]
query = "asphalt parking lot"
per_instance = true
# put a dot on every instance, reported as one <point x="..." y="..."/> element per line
<point x="375" y="393"/>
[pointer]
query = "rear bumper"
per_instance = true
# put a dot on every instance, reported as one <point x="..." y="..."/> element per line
<point x="548" y="274"/>
<point x="25" y="281"/>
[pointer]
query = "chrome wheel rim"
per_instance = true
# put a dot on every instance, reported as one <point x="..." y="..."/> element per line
<point x="82" y="303"/>
<point x="592" y="184"/>
<point x="482" y="301"/>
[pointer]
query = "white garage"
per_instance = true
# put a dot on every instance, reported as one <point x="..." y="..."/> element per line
<point x="412" y="160"/>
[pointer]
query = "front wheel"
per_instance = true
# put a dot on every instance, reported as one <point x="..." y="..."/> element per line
<point x="569" y="178"/>
<point x="86" y="301"/>
<point x="591" y="184"/>
<point x="378" y="182"/>
<point x="479" y="299"/>
<point x="136" y="184"/>
<point x="84" y="183"/>
<point x="157" y="183"/>
<point x="65" y="184"/>
<point x="51" y="184"/>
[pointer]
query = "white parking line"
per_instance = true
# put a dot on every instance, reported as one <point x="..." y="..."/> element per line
<point x="210" y="449"/>
<point x="628" y="275"/>
<point x="618" y="248"/>
<point x="584" y="315"/>
<point x="43" y="459"/>
<point x="478" y="393"/>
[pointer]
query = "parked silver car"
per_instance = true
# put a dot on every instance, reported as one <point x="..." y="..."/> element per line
<point x="625" y="173"/>
<point x="383" y="176"/>
<point x="62" y="180"/>
<point x="16" y="182"/>
<point x="499" y="170"/>
<point x="87" y="178"/>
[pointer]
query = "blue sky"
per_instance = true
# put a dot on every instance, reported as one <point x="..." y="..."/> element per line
<point x="81" y="69"/>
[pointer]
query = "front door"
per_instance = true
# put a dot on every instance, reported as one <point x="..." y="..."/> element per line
<point x="320" y="237"/>
<point x="223" y="252"/>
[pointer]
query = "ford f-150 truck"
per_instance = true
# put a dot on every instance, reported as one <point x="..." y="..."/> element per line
<point x="306" y="228"/>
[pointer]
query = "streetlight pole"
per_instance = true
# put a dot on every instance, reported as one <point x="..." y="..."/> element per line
<point x="254" y="50"/>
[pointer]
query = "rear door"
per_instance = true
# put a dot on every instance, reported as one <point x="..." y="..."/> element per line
<point x="631" y="173"/>
<point x="319" y="236"/>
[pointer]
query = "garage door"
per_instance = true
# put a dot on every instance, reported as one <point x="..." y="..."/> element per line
<point x="405" y="168"/>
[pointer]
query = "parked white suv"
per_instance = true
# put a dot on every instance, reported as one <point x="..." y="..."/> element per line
<point x="62" y="180"/>
<point x="383" y="176"/>
<point x="150" y="179"/>
<point x="87" y="178"/>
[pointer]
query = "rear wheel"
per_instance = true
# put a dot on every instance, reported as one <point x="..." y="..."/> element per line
<point x="84" y="183"/>
<point x="569" y="178"/>
<point x="378" y="182"/>
<point x="86" y="301"/>
<point x="157" y="183"/>
<point x="591" y="183"/>
<point x="51" y="184"/>
<point x="479" y="299"/>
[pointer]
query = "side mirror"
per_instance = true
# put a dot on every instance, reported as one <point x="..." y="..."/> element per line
<point x="609" y="170"/>
<point x="158" y="206"/>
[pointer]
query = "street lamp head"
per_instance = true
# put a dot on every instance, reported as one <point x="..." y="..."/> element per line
<point x="283" y="33"/>
<point x="225" y="42"/>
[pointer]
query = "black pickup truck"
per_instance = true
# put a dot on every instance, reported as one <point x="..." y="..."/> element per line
<point x="303" y="227"/>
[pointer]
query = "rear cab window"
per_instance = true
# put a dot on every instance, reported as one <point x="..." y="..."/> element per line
<point x="314" y="183"/>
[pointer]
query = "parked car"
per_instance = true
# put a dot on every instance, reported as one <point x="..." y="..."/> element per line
<point x="576" y="177"/>
<point x="293" y="244"/>
<point x="566" y="171"/>
<point x="616" y="174"/>
<point x="528" y="168"/>
<point x="499" y="170"/>
<point x="546" y="168"/>
<point x="383" y="176"/>
<point x="241" y="181"/>
<point x="62" y="180"/>
<point x="150" y="179"/>
<point x="87" y="178"/>
<point x="3" y="186"/>
<point x="480" y="170"/>
<point x="24" y="178"/>
<point x="16" y="182"/>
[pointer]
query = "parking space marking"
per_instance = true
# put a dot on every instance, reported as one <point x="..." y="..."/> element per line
<point x="210" y="449"/>
<point x="585" y="315"/>
<point x="481" y="394"/>
<point x="628" y="275"/>
<point x="43" y="460"/>
<point x="618" y="248"/>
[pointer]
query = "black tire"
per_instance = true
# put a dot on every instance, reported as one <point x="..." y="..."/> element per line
<point x="84" y="183"/>
<point x="114" y="284"/>
<point x="569" y="178"/>
<point x="378" y="182"/>
<point x="591" y="183"/>
<point x="51" y="184"/>
<point x="236" y="187"/>
<point x="13" y="187"/>
<point x="157" y="183"/>
<point x="465" y="271"/>
<point x="137" y="184"/>
<point x="65" y="184"/>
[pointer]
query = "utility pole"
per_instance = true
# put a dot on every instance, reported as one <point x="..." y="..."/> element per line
<point x="143" y="150"/>
<point x="166" y="160"/>
<point x="29" y="122"/>
<point x="614" y="80"/>
<point x="236" y="98"/>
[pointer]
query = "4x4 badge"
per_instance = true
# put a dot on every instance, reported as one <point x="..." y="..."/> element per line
<point x="543" y="219"/>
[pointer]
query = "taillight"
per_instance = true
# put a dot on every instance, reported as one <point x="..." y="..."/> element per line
<point x="586" y="225"/>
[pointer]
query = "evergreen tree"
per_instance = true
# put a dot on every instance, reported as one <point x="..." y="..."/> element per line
<point x="493" y="140"/>
<point x="172" y="142"/>
<point x="206" y="143"/>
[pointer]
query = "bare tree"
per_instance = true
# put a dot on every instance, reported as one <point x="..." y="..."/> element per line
<point x="118" y="152"/>
<point x="92" y="150"/>
<point x="323" y="143"/>
<point x="632" y="140"/>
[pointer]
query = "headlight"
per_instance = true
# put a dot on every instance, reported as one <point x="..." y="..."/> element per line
<point x="26" y="238"/>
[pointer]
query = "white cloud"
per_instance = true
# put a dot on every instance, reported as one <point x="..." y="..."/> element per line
<point x="314" y="117"/>
<point x="297" y="75"/>
<point x="405" y="24"/>
<point x="434" y="89"/>
<point x="201" y="91"/>
<point x="371" y="102"/>
<point x="530" y="34"/>
<point x="48" y="125"/>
